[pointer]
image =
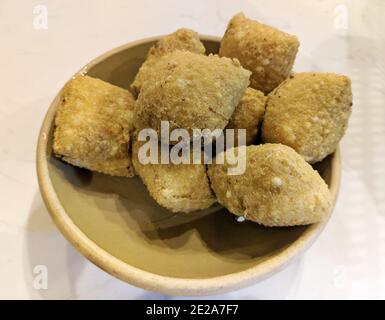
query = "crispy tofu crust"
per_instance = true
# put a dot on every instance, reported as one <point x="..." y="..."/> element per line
<point x="179" y="188"/>
<point x="93" y="124"/>
<point x="279" y="188"/>
<point x="191" y="91"/>
<point x="309" y="113"/>
<point x="182" y="39"/>
<point x="249" y="114"/>
<point x="266" y="51"/>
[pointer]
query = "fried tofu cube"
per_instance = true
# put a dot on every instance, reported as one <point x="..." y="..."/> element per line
<point x="177" y="187"/>
<point x="182" y="39"/>
<point x="267" y="52"/>
<point x="191" y="91"/>
<point x="279" y="188"/>
<point x="309" y="112"/>
<point x="93" y="124"/>
<point x="248" y="114"/>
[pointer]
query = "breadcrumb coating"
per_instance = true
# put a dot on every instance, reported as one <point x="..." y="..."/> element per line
<point x="309" y="113"/>
<point x="191" y="91"/>
<point x="249" y="114"/>
<point x="93" y="124"/>
<point x="181" y="39"/>
<point x="177" y="187"/>
<point x="266" y="51"/>
<point x="279" y="188"/>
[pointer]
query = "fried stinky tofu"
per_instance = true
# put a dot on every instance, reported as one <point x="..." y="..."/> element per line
<point x="93" y="124"/>
<point x="177" y="187"/>
<point x="190" y="91"/>
<point x="309" y="113"/>
<point x="182" y="39"/>
<point x="249" y="114"/>
<point x="267" y="52"/>
<point x="279" y="188"/>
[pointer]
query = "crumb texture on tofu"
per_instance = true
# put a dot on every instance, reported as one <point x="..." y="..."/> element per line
<point x="267" y="52"/>
<point x="279" y="188"/>
<point x="182" y="39"/>
<point x="248" y="114"/>
<point x="93" y="124"/>
<point x="191" y="91"/>
<point x="179" y="188"/>
<point x="309" y="112"/>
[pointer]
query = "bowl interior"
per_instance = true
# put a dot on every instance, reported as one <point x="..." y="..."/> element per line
<point x="119" y="215"/>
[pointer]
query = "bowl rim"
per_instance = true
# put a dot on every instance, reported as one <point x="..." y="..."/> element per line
<point x="151" y="281"/>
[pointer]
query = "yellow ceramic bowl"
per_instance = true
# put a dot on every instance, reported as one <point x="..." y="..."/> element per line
<point x="115" y="224"/>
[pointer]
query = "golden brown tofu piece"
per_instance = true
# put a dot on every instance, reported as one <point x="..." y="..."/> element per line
<point x="266" y="51"/>
<point x="279" y="188"/>
<point x="191" y="91"/>
<point x="309" y="113"/>
<point x="177" y="187"/>
<point x="182" y="39"/>
<point x="248" y="114"/>
<point x="93" y="124"/>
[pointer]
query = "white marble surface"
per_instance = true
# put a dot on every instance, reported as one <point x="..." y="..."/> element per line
<point x="347" y="261"/>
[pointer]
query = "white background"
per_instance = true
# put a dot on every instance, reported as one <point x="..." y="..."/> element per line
<point x="347" y="261"/>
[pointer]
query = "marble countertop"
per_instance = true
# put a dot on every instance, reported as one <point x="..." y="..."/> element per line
<point x="37" y="57"/>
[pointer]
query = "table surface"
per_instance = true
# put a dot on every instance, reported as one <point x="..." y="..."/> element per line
<point x="348" y="259"/>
